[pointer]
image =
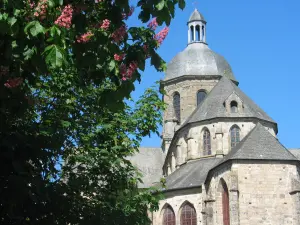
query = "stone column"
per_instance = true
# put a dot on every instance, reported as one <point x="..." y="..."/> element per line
<point x="234" y="199"/>
<point x="295" y="193"/>
<point x="179" y="159"/>
<point x="219" y="140"/>
<point x="204" y="33"/>
<point x="189" y="34"/>
<point x="200" y="32"/>
<point x="194" y="27"/>
<point x="192" y="148"/>
<point x="173" y="162"/>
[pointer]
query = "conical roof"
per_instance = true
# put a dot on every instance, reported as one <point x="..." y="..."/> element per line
<point x="213" y="105"/>
<point x="196" y="15"/>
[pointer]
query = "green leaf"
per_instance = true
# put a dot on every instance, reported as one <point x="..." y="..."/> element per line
<point x="54" y="56"/>
<point x="181" y="4"/>
<point x="112" y="65"/>
<point x="34" y="28"/>
<point x="160" y="5"/>
<point x="61" y="2"/>
<point x="65" y="123"/>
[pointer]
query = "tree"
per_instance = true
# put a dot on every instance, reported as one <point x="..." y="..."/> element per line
<point x="66" y="70"/>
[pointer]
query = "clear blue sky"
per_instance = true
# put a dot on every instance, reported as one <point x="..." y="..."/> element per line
<point x="260" y="40"/>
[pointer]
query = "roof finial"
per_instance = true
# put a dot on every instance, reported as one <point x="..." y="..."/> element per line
<point x="195" y="3"/>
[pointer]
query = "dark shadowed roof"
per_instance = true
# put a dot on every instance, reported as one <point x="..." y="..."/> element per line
<point x="259" y="144"/>
<point x="213" y="105"/>
<point x="191" y="174"/>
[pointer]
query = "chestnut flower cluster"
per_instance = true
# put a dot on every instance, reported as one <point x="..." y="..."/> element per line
<point x="160" y="37"/>
<point x="153" y="24"/>
<point x="105" y="24"/>
<point x="85" y="37"/>
<point x="119" y="57"/>
<point x="119" y="34"/>
<point x="13" y="82"/>
<point x="65" y="19"/>
<point x="41" y="9"/>
<point x="127" y="72"/>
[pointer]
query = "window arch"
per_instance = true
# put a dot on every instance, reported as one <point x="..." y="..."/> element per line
<point x="169" y="216"/>
<point x="206" y="142"/>
<point x="225" y="203"/>
<point x="234" y="135"/>
<point x="188" y="215"/>
<point x="201" y="94"/>
<point x="233" y="107"/>
<point x="176" y="105"/>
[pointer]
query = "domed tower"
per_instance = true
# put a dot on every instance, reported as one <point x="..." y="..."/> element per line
<point x="190" y="76"/>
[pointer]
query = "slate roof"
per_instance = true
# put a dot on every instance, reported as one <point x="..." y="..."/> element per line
<point x="197" y="59"/>
<point x="196" y="15"/>
<point x="191" y="174"/>
<point x="259" y="144"/>
<point x="213" y="105"/>
<point x="295" y="152"/>
<point x="149" y="161"/>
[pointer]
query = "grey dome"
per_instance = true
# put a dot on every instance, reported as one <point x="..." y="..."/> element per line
<point x="198" y="60"/>
<point x="196" y="15"/>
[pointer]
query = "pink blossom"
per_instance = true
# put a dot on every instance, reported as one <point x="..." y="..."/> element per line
<point x="41" y="9"/>
<point x="85" y="37"/>
<point x="127" y="72"/>
<point x="119" y="34"/>
<point x="97" y="1"/>
<point x="65" y="19"/>
<point x="119" y="57"/>
<point x="160" y="37"/>
<point x="153" y="24"/>
<point x="126" y="16"/>
<point x="14" y="82"/>
<point x="31" y="4"/>
<point x="105" y="24"/>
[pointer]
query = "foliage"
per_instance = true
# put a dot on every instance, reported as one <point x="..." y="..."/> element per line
<point x="66" y="69"/>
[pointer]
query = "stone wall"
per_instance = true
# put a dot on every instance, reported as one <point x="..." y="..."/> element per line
<point x="260" y="192"/>
<point x="265" y="193"/>
<point x="176" y="199"/>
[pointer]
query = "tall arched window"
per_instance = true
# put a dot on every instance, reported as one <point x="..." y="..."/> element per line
<point x="233" y="107"/>
<point x="206" y="142"/>
<point x="176" y="105"/>
<point x="169" y="216"/>
<point x="200" y="96"/>
<point x="225" y="204"/>
<point x="234" y="135"/>
<point x="188" y="215"/>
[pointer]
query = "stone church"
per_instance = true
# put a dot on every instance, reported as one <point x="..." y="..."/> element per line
<point x="220" y="155"/>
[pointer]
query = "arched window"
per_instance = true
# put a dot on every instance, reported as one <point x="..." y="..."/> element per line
<point x="188" y="215"/>
<point x="234" y="135"/>
<point x="197" y="33"/>
<point x="206" y="142"/>
<point x="169" y="216"/>
<point x="192" y="33"/>
<point x="200" y="96"/>
<point x="176" y="105"/>
<point x="233" y="107"/>
<point x="225" y="204"/>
